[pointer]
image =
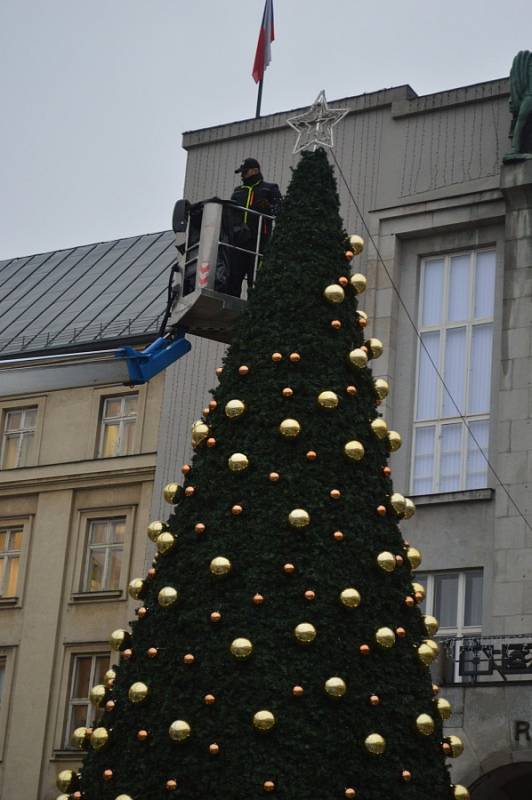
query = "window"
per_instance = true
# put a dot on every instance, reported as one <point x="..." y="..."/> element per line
<point x="118" y="426"/>
<point x="18" y="433"/>
<point x="2" y="679"/>
<point x="456" y="325"/>
<point x="104" y="554"/>
<point x="10" y="550"/>
<point x="455" y="599"/>
<point x="85" y="672"/>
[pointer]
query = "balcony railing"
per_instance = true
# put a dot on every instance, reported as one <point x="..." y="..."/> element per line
<point x="474" y="660"/>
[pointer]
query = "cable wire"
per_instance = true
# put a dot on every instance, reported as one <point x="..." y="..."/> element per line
<point x="423" y="345"/>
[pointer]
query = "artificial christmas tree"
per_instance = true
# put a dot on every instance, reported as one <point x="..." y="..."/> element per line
<point x="279" y="646"/>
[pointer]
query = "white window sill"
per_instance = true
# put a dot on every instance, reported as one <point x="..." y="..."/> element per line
<point x="97" y="597"/>
<point x="9" y="602"/>
<point x="68" y="755"/>
<point x="466" y="496"/>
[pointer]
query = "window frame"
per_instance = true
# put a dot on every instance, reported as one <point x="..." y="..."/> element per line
<point x="8" y="654"/>
<point x="107" y="547"/>
<point x="442" y="329"/>
<point x="105" y="421"/>
<point x="84" y="517"/>
<point x="18" y="403"/>
<point x="8" y="555"/>
<point x="70" y="702"/>
<point x="26" y="525"/>
<point x="96" y="408"/>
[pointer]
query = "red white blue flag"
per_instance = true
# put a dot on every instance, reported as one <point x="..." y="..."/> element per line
<point x="263" y="56"/>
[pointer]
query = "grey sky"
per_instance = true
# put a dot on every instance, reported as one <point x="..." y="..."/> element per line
<point x="95" y="93"/>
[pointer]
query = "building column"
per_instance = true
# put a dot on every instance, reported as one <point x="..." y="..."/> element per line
<point x="42" y="602"/>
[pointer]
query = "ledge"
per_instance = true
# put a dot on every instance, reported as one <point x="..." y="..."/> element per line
<point x="9" y="602"/>
<point x="97" y="597"/>
<point x="466" y="496"/>
<point x="67" y="755"/>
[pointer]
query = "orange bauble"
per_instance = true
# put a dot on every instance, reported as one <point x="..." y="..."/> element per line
<point x="336" y="324"/>
<point x="110" y="705"/>
<point x="287" y="392"/>
<point x="188" y="658"/>
<point x="142" y="735"/>
<point x="107" y="774"/>
<point x="409" y="601"/>
<point x="199" y="528"/>
<point x="289" y="569"/>
<point x="342" y="280"/>
<point x="350" y="793"/>
<point x="151" y="652"/>
<point x="209" y="699"/>
<point x="401" y="632"/>
<point x="294" y="357"/>
<point x="374" y="699"/>
<point x="141" y="612"/>
<point x="258" y="599"/>
<point x="269" y="786"/>
<point x="185" y="469"/>
<point x="311" y="455"/>
<point x="274" y="476"/>
<point x="214" y="749"/>
<point x="381" y="510"/>
<point x="236" y="510"/>
<point x="406" y="775"/>
<point x="352" y="390"/>
<point x="276" y="357"/>
<point x="216" y="616"/>
<point x="212" y="404"/>
<point x="219" y="371"/>
<point x="387" y="472"/>
<point x="310" y="595"/>
<point x="364" y="649"/>
<point x="171" y="785"/>
<point x="190" y="490"/>
<point x="335" y="494"/>
<point x="152" y="572"/>
<point x="211" y="441"/>
<point x="243" y="370"/>
<point x="338" y="536"/>
<point x="349" y="255"/>
<point x="126" y="654"/>
<point x="297" y="691"/>
<point x="399" y="560"/>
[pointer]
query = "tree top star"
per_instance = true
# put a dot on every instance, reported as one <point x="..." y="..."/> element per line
<point x="315" y="126"/>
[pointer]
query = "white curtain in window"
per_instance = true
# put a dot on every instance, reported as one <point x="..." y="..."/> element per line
<point x="485" y="284"/>
<point x="446" y="599"/>
<point x="427" y="397"/>
<point x="458" y="310"/>
<point x="477" y="468"/>
<point x="455" y="356"/>
<point x="423" y="460"/>
<point x="480" y="369"/>
<point x="432" y="292"/>
<point x="450" y="457"/>
<point x="473" y="598"/>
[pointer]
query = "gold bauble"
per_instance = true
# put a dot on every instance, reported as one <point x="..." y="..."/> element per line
<point x="385" y="637"/>
<point x="220" y="566"/>
<point x="414" y="557"/>
<point x="170" y="491"/>
<point x="167" y="596"/>
<point x="379" y="427"/>
<point x="398" y="503"/>
<point x="118" y="638"/>
<point x="375" y="743"/>
<point x="135" y="588"/>
<point x="460" y="792"/>
<point x="165" y="542"/>
<point x="138" y="692"/>
<point x="410" y="508"/>
<point x="305" y="633"/>
<point x="328" y="399"/>
<point x="350" y="598"/>
<point x="434" y="646"/>
<point x="241" y="648"/>
<point x="99" y="738"/>
<point x="418" y="588"/>
<point x="386" y="561"/>
<point x="123" y="797"/>
<point x="238" y="462"/>
<point x="335" y="687"/>
<point x="431" y="624"/>
<point x="66" y="780"/>
<point x="97" y="694"/>
<point x="109" y="678"/>
<point x="78" y="738"/>
<point x="356" y="243"/>
<point x="290" y="428"/>
<point x="381" y="388"/>
<point x="425" y="654"/>
<point x="358" y="282"/>
<point x="376" y="347"/>
<point x="155" y="529"/>
<point x="456" y="745"/>
<point x="179" y="730"/>
<point x="358" y="357"/>
<point x="394" y="440"/>
<point x="354" y="450"/>
<point x="299" y="518"/>
<point x="200" y="431"/>
<point x="334" y="293"/>
<point x="63" y="797"/>
<point x="444" y="708"/>
<point x="234" y="408"/>
<point x="263" y="720"/>
<point x="425" y="724"/>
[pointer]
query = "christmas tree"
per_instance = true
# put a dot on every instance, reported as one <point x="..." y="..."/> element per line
<point x="279" y="646"/>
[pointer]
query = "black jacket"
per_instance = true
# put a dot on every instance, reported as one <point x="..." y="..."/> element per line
<point x="259" y="195"/>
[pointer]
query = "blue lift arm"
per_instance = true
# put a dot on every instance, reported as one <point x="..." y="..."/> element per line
<point x="143" y="365"/>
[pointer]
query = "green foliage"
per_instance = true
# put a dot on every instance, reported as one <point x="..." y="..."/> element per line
<point x="316" y="749"/>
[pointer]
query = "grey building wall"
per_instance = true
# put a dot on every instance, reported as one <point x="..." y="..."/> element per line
<point x="427" y="175"/>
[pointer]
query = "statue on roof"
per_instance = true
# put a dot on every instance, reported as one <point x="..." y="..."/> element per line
<point x="521" y="107"/>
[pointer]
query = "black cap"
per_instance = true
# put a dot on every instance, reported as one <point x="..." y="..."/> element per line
<point x="248" y="163"/>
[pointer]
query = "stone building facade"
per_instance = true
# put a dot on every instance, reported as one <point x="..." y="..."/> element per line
<point x="449" y="275"/>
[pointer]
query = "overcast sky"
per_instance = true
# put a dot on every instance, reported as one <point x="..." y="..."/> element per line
<point x="96" y="93"/>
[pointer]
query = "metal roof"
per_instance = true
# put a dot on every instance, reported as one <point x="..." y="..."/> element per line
<point x="92" y="294"/>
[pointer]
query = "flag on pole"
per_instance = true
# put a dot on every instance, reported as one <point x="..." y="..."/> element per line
<point x="263" y="56"/>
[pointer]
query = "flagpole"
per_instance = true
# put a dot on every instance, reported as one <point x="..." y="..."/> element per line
<point x="259" y="99"/>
